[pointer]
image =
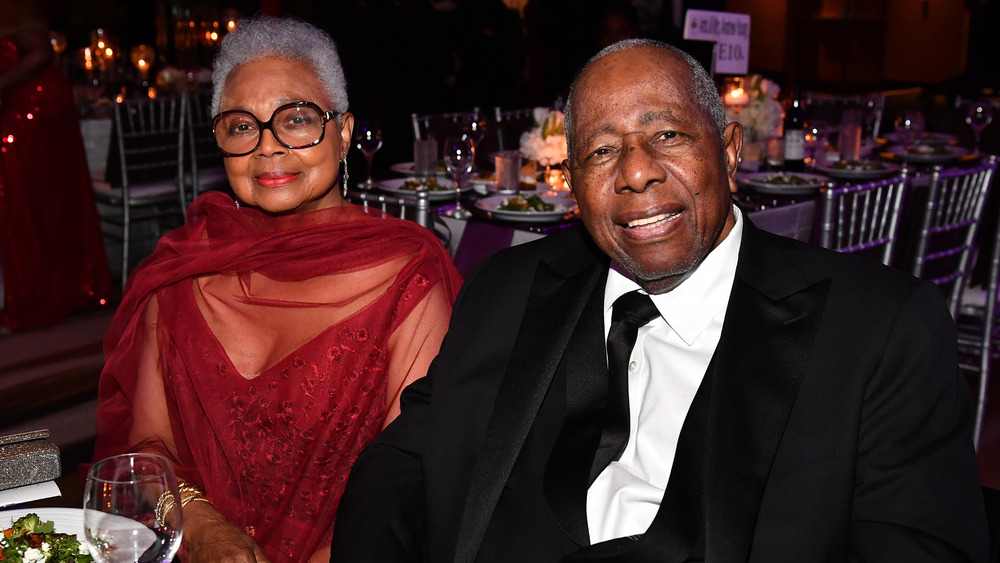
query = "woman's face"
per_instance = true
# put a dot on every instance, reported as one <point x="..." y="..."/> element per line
<point x="273" y="177"/>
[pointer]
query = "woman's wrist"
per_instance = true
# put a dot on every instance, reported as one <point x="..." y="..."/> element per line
<point x="187" y="493"/>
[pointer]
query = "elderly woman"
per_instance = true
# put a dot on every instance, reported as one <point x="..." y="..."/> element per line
<point x="266" y="342"/>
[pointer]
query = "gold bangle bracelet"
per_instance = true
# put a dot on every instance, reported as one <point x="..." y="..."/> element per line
<point x="187" y="493"/>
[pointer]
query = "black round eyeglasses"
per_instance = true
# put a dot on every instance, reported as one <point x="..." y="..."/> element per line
<point x="297" y="125"/>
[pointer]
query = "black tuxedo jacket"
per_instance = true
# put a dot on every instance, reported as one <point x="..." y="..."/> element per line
<point x="838" y="427"/>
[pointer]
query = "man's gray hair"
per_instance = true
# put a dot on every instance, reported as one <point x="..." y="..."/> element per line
<point x="701" y="86"/>
<point x="259" y="38"/>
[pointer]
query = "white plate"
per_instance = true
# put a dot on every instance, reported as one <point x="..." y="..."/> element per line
<point x="763" y="182"/>
<point x="887" y="169"/>
<point x="67" y="520"/>
<point x="563" y="205"/>
<point x="951" y="153"/>
<point x="483" y="184"/>
<point x="394" y="186"/>
<point x="409" y="169"/>
<point x="929" y="138"/>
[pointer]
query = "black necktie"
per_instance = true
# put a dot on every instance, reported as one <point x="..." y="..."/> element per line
<point x="630" y="311"/>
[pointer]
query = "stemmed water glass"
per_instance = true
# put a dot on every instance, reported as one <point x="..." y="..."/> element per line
<point x="459" y="156"/>
<point x="980" y="115"/>
<point x="368" y="139"/>
<point x="817" y="143"/>
<point x="121" y="501"/>
<point x="477" y="129"/>
<point x="872" y="108"/>
<point x="910" y="128"/>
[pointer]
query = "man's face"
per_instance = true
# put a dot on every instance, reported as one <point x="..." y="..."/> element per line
<point x="651" y="178"/>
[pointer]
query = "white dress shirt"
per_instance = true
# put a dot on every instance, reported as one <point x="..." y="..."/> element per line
<point x="667" y="365"/>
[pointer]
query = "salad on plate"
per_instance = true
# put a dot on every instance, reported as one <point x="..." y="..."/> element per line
<point x="429" y="184"/>
<point x="30" y="540"/>
<point x="522" y="203"/>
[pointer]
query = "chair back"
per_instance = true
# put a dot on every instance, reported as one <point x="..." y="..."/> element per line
<point x="416" y="209"/>
<point x="206" y="170"/>
<point x="148" y="144"/>
<point x="510" y="124"/>
<point x="144" y="179"/>
<point x="830" y="107"/>
<point x="949" y="226"/>
<point x="863" y="218"/>
<point x="440" y="126"/>
<point x="978" y="336"/>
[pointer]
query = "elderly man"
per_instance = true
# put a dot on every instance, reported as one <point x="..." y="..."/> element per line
<point x="782" y="402"/>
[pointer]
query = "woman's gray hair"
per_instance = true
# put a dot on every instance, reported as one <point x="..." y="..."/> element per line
<point x="701" y="86"/>
<point x="262" y="37"/>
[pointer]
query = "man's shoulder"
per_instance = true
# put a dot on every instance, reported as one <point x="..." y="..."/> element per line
<point x="569" y="246"/>
<point x="814" y="263"/>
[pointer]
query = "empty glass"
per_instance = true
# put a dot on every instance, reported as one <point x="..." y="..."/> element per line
<point x="425" y="153"/>
<point x="979" y="116"/>
<point x="459" y="156"/>
<point x="910" y="128"/>
<point x="872" y="106"/>
<point x="368" y="139"/>
<point x="120" y="503"/>
<point x="508" y="171"/>
<point x="849" y="139"/>
<point x="817" y="142"/>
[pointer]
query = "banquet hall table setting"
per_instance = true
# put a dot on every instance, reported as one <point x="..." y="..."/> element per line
<point x="777" y="200"/>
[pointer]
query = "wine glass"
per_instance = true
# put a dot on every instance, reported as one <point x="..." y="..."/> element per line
<point x="909" y="128"/>
<point x="368" y="139"/>
<point x="817" y="143"/>
<point x="980" y="115"/>
<point x="872" y="105"/>
<point x="120" y="502"/>
<point x="477" y="128"/>
<point x="459" y="156"/>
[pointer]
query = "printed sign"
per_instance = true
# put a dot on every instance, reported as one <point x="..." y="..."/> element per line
<point x="730" y="32"/>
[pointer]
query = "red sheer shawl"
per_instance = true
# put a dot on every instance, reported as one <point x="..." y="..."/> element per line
<point x="332" y="312"/>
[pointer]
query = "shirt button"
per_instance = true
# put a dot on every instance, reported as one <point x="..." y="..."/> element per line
<point x="632" y="365"/>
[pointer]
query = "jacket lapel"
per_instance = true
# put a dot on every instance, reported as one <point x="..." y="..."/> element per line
<point x="761" y="357"/>
<point x="559" y="293"/>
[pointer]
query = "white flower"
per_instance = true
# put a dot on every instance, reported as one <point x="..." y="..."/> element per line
<point x="769" y="88"/>
<point x="763" y="115"/>
<point x="546" y="142"/>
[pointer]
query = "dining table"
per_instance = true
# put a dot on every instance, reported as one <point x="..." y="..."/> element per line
<point x="792" y="208"/>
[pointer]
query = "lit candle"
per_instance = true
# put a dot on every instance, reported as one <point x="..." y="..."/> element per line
<point x="736" y="97"/>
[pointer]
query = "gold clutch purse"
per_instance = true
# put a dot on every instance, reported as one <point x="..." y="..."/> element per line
<point x="27" y="458"/>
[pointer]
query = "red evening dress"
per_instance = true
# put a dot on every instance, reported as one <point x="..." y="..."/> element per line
<point x="51" y="246"/>
<point x="359" y="302"/>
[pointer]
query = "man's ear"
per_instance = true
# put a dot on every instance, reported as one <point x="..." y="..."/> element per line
<point x="567" y="174"/>
<point x="732" y="145"/>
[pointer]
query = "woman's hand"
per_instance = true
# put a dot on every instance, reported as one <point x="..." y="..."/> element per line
<point x="209" y="537"/>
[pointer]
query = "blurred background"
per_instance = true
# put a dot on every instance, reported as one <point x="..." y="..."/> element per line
<point x="404" y="56"/>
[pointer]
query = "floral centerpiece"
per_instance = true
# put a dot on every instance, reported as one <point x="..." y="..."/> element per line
<point x="545" y="145"/>
<point x="546" y="141"/>
<point x="761" y="116"/>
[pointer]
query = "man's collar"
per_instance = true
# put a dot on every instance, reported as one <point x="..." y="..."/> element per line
<point x="691" y="306"/>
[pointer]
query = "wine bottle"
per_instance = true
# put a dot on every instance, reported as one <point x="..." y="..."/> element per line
<point x="795" y="134"/>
